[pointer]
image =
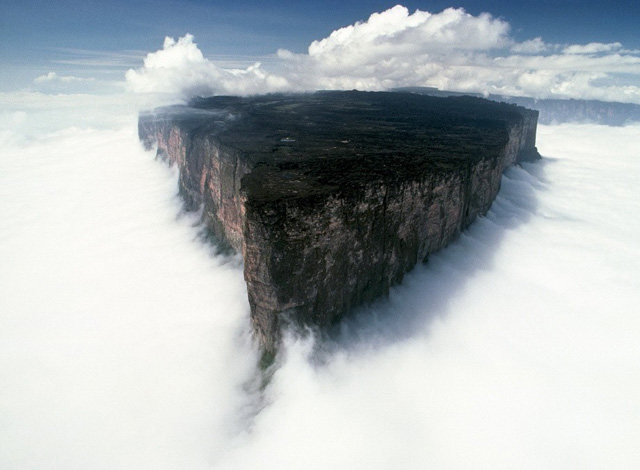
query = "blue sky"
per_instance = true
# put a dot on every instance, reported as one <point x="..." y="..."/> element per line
<point x="35" y="31"/>
<point x="259" y="27"/>
<point x="104" y="38"/>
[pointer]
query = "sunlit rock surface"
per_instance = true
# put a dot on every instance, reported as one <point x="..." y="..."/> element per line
<point x="333" y="197"/>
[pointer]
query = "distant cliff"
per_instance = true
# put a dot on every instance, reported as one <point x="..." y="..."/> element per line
<point x="333" y="197"/>
<point x="556" y="111"/>
<point x="598" y="112"/>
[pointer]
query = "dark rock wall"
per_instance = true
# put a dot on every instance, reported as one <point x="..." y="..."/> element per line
<point x="310" y="260"/>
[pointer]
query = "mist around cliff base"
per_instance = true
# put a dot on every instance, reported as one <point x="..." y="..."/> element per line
<point x="125" y="341"/>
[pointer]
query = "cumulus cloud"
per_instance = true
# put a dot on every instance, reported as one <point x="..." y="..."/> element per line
<point x="179" y="69"/>
<point x="451" y="50"/>
<point x="397" y="31"/>
<point x="396" y="48"/>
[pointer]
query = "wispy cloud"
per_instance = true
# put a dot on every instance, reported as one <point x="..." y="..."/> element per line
<point x="531" y="46"/>
<point x="54" y="77"/>
<point x="592" y="48"/>
<point x="98" y="58"/>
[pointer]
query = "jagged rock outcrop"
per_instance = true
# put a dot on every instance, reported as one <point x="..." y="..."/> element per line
<point x="333" y="197"/>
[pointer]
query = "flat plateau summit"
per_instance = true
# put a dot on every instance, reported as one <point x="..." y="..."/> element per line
<point x="332" y="197"/>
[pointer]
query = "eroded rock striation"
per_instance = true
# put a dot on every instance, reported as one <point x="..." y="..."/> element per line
<point x="332" y="197"/>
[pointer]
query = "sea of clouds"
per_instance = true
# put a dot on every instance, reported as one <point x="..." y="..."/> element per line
<point x="125" y="339"/>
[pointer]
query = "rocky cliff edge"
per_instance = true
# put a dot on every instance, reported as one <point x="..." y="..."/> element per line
<point x="332" y="197"/>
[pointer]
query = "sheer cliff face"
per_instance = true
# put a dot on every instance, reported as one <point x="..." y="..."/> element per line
<point x="210" y="176"/>
<point x="331" y="209"/>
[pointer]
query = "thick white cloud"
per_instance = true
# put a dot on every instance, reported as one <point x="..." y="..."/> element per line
<point x="124" y="342"/>
<point x="180" y="70"/>
<point x="94" y="346"/>
<point x="449" y="50"/>
<point x="398" y="32"/>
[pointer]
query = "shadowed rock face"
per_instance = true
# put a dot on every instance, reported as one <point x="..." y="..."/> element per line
<point x="333" y="197"/>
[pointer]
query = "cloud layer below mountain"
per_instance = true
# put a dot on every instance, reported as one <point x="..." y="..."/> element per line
<point x="124" y="342"/>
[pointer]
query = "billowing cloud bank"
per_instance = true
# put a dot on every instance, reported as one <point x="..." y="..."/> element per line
<point x="124" y="342"/>
<point x="180" y="68"/>
<point x="450" y="50"/>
